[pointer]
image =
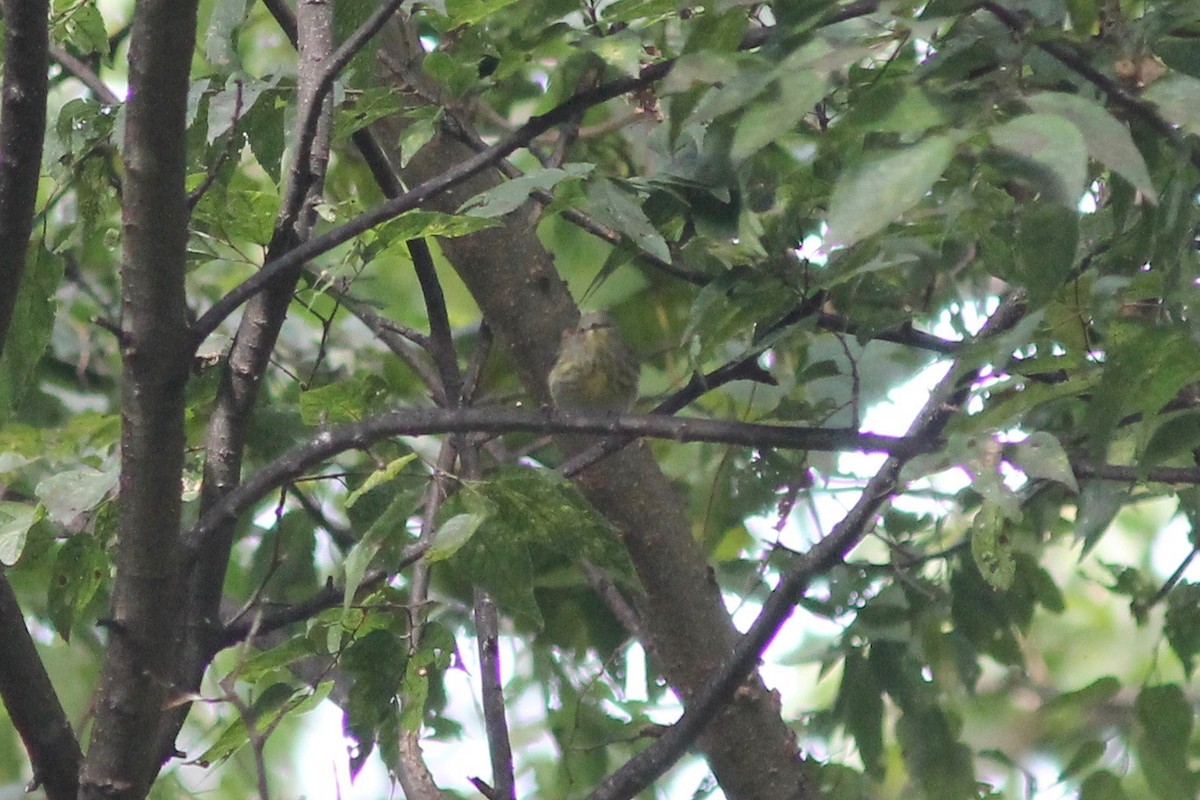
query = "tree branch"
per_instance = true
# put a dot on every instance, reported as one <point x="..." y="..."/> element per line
<point x="142" y="654"/>
<point x="25" y="687"/>
<point x="85" y="74"/>
<point x="22" y="129"/>
<point x="1116" y="93"/>
<point x="314" y="102"/>
<point x="420" y="421"/>
<point x="32" y="704"/>
<point x="451" y="177"/>
<point x="249" y="358"/>
<point x="487" y="633"/>
<point x="641" y="770"/>
<point x="327" y="597"/>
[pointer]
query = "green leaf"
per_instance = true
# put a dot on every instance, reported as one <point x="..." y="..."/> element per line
<point x="1182" y="624"/>
<point x="375" y="663"/>
<point x="510" y="195"/>
<point x="713" y="31"/>
<point x="469" y="12"/>
<point x="240" y="213"/>
<point x="1085" y="700"/>
<point x="82" y="28"/>
<point x="388" y="530"/>
<point x="15" y="521"/>
<point x="1047" y="237"/>
<point x="986" y="617"/>
<point x="736" y="85"/>
<point x="79" y="570"/>
<point x="1158" y="361"/>
<point x="1087" y="754"/>
<point x="533" y="516"/>
<point x="1054" y="147"/>
<point x="355" y="567"/>
<point x="1085" y="16"/>
<point x="1102" y="785"/>
<point x="896" y="109"/>
<point x="1165" y="723"/>
<point x="29" y="332"/>
<point x="1173" y="437"/>
<point x="419" y="224"/>
<point x="1178" y="99"/>
<point x="1041" y="456"/>
<point x="620" y="210"/>
<point x="623" y="50"/>
<point x="370" y="105"/>
<point x="223" y="21"/>
<point x="265" y="712"/>
<point x="1099" y="502"/>
<point x="227" y="106"/>
<point x="68" y="494"/>
<point x="1005" y="405"/>
<point x="344" y="401"/>
<point x="384" y="474"/>
<point x="422" y="124"/>
<point x="991" y="546"/>
<point x="453" y="534"/>
<point x="871" y="195"/>
<point x="860" y="706"/>
<point x="256" y="666"/>
<point x="263" y="124"/>
<point x="766" y="120"/>
<point x="435" y="655"/>
<point x="1107" y="140"/>
<point x="939" y="762"/>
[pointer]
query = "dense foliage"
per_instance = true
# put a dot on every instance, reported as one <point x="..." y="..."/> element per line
<point x="914" y="288"/>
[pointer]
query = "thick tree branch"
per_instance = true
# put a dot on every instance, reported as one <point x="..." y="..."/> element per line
<point x="25" y="687"/>
<point x="22" y="128"/>
<point x="33" y="705"/>
<point x="139" y="665"/>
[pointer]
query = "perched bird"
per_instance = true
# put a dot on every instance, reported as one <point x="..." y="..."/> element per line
<point x="595" y="370"/>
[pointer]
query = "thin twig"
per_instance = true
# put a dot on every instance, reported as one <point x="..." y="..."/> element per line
<point x="487" y="624"/>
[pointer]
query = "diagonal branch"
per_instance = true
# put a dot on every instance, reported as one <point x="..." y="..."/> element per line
<point x="414" y="198"/>
<point x="1117" y="95"/>
<point x="85" y="74"/>
<point x="33" y="705"/>
<point x="641" y="770"/>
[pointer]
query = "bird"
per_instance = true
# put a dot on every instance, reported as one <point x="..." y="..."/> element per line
<point x="595" y="369"/>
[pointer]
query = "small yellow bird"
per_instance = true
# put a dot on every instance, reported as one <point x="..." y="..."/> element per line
<point x="595" y="370"/>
